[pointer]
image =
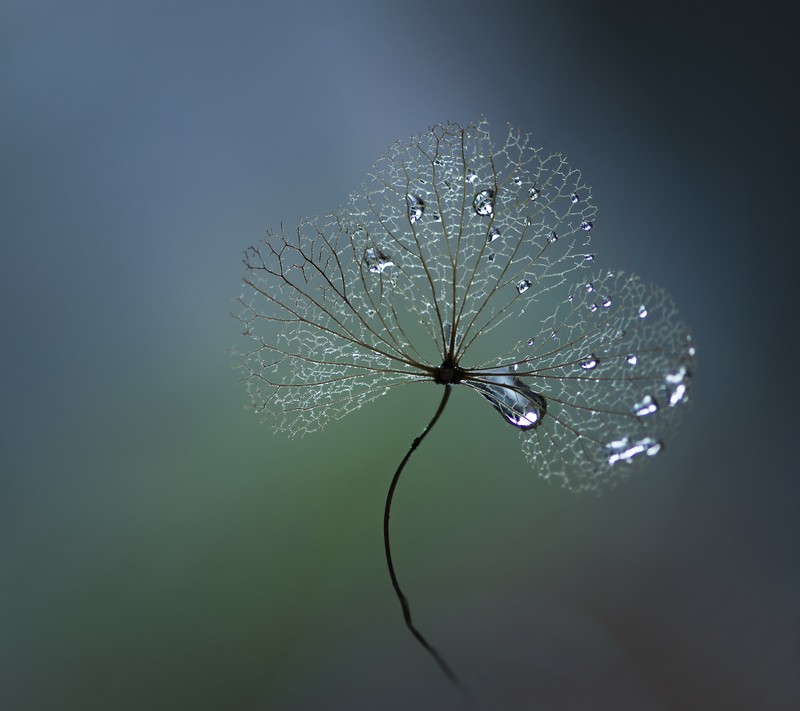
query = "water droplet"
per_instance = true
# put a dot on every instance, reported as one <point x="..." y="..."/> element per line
<point x="642" y="311"/>
<point x="416" y="207"/>
<point x="607" y="303"/>
<point x="517" y="180"/>
<point x="523" y="286"/>
<point x="512" y="398"/>
<point x="625" y="449"/>
<point x="588" y="257"/>
<point x="646" y="406"/>
<point x="534" y="193"/>
<point x="531" y="341"/>
<point x="494" y="233"/>
<point x="587" y="226"/>
<point x="437" y="217"/>
<point x="491" y="256"/>
<point x="589" y="288"/>
<point x="527" y="221"/>
<point x="590" y="362"/>
<point x="678" y="376"/>
<point x="483" y="203"/>
<point x="632" y="359"/>
<point x="438" y="161"/>
<point x="376" y="260"/>
<point x="678" y="395"/>
<point x="593" y="307"/>
<point x="472" y="176"/>
<point x="574" y="198"/>
<point x="553" y="238"/>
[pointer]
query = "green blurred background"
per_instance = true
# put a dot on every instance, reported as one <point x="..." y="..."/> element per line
<point x="160" y="548"/>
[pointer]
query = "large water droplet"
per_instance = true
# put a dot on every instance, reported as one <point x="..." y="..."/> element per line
<point x="625" y="449"/>
<point x="376" y="260"/>
<point x="483" y="203"/>
<point x="646" y="406"/>
<point x="590" y="362"/>
<point x="416" y="207"/>
<point x="512" y="398"/>
<point x="523" y="286"/>
<point x="494" y="233"/>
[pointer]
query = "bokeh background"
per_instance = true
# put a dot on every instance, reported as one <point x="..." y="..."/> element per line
<point x="160" y="548"/>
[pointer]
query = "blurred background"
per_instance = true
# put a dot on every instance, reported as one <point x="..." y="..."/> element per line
<point x="161" y="548"/>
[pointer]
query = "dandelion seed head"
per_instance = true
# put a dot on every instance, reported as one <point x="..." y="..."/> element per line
<point x="401" y="285"/>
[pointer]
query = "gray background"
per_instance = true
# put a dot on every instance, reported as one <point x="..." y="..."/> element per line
<point x="160" y="548"/>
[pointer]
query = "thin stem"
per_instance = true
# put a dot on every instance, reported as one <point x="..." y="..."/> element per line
<point x="387" y="511"/>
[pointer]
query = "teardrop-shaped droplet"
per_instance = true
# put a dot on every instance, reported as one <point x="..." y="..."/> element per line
<point x="416" y="207"/>
<point x="642" y="311"/>
<point x="494" y="233"/>
<point x="646" y="406"/>
<point x="523" y="286"/>
<point x="512" y="398"/>
<point x="483" y="202"/>
<point x="531" y="341"/>
<point x="590" y="362"/>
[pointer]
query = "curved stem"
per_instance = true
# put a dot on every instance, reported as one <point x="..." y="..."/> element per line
<point x="387" y="511"/>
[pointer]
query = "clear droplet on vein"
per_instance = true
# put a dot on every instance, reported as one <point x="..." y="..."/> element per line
<point x="416" y="207"/>
<point x="590" y="362"/>
<point x="625" y="449"/>
<point x="494" y="233"/>
<point x="376" y="260"/>
<point x="646" y="406"/>
<point x="523" y="286"/>
<point x="483" y="202"/>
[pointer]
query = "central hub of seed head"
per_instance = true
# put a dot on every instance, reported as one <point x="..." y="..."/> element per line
<point x="448" y="373"/>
